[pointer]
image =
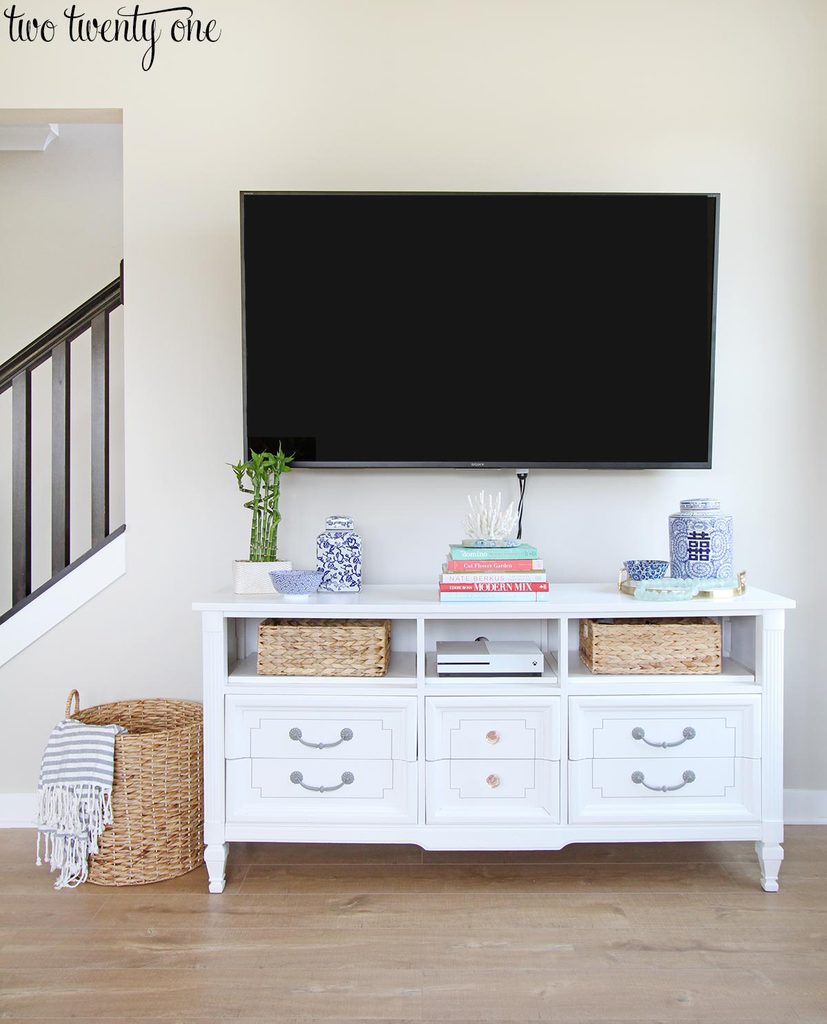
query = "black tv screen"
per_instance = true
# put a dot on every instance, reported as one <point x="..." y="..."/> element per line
<point x="480" y="329"/>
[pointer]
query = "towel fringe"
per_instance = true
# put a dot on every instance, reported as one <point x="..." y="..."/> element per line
<point x="71" y="819"/>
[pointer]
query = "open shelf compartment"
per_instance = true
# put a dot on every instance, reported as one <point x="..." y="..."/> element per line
<point x="243" y="653"/>
<point x="543" y="632"/>
<point x="737" y="664"/>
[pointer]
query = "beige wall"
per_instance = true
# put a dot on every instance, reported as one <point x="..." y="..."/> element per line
<point x="444" y="94"/>
<point x="61" y="225"/>
<point x="61" y="240"/>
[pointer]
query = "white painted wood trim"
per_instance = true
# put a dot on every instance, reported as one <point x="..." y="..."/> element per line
<point x="62" y="599"/>
<point x="17" y="810"/>
<point x="802" y="807"/>
<point x="408" y="601"/>
<point x="805" y="806"/>
<point x="214" y="653"/>
<point x="769" y="672"/>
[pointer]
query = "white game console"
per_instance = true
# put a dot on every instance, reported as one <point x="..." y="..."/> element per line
<point x="488" y="658"/>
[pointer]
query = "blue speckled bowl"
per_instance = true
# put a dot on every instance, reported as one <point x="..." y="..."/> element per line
<point x="296" y="584"/>
<point x="643" y="568"/>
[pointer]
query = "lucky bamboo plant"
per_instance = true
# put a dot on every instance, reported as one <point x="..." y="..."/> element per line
<point x="260" y="477"/>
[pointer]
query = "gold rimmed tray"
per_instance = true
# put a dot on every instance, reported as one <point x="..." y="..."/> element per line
<point x="627" y="586"/>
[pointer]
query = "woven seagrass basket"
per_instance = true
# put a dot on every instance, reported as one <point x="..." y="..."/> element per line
<point x="651" y="646"/>
<point x="323" y="647"/>
<point x="157" y="790"/>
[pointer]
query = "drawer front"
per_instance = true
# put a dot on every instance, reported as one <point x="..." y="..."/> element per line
<point x="311" y="791"/>
<point x="665" y="727"/>
<point x="490" y="791"/>
<point x="714" y="789"/>
<point x="521" y="728"/>
<point x="324" y="729"/>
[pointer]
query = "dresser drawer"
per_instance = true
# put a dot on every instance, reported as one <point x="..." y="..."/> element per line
<point x="508" y="791"/>
<point x="326" y="728"/>
<point x="308" y="790"/>
<point x="505" y="728"/>
<point x="696" y="789"/>
<point x="664" y="727"/>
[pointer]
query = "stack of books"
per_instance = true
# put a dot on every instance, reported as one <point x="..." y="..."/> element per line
<point x="493" y="574"/>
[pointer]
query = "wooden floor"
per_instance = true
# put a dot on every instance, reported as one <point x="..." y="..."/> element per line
<point x="643" y="933"/>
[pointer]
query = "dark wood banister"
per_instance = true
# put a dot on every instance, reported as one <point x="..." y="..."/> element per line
<point x="16" y="373"/>
<point x="58" y="576"/>
<point x="67" y="329"/>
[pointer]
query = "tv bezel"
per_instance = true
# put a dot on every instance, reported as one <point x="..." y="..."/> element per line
<point x="473" y="464"/>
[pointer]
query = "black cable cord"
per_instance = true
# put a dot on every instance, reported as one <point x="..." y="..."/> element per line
<point x="522" y="479"/>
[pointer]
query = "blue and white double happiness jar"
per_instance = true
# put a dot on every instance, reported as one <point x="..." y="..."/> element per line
<point x="700" y="541"/>
<point x="339" y="555"/>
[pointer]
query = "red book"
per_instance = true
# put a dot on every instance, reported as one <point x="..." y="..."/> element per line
<point x="492" y="565"/>
<point x="494" y="588"/>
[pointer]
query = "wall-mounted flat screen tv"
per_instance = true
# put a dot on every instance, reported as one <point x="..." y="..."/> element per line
<point x="471" y="330"/>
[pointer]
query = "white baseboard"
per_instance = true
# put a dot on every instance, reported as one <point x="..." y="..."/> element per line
<point x="17" y="810"/>
<point x="805" y="806"/>
<point x="801" y="807"/>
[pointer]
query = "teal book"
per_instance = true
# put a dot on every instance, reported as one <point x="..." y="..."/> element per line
<point x="460" y="552"/>
<point x="487" y="596"/>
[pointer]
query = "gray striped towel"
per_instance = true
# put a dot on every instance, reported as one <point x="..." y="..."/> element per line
<point x="74" y="796"/>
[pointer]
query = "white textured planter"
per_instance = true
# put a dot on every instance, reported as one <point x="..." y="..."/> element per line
<point x="254" y="577"/>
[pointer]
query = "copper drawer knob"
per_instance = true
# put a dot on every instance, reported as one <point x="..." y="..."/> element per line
<point x="493" y="736"/>
<point x="493" y="781"/>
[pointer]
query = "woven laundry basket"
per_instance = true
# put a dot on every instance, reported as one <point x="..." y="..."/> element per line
<point x="157" y="790"/>
<point x="651" y="646"/>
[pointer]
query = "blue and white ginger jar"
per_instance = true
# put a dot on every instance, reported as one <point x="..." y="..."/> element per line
<point x="700" y="541"/>
<point x="339" y="555"/>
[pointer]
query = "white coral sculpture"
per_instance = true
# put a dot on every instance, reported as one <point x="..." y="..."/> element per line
<point x="488" y="520"/>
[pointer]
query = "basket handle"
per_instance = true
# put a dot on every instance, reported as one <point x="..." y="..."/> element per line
<point x="73" y="696"/>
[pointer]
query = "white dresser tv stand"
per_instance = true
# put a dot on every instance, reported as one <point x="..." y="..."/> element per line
<point x="493" y="763"/>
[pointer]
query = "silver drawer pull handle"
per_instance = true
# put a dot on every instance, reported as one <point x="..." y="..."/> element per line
<point x="344" y="736"/>
<point x="298" y="780"/>
<point x="688" y="734"/>
<point x="639" y="780"/>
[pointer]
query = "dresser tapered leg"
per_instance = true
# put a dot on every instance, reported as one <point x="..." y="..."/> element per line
<point x="215" y="857"/>
<point x="770" y="856"/>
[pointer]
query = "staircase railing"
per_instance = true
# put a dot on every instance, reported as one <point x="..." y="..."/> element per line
<point x="16" y="373"/>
